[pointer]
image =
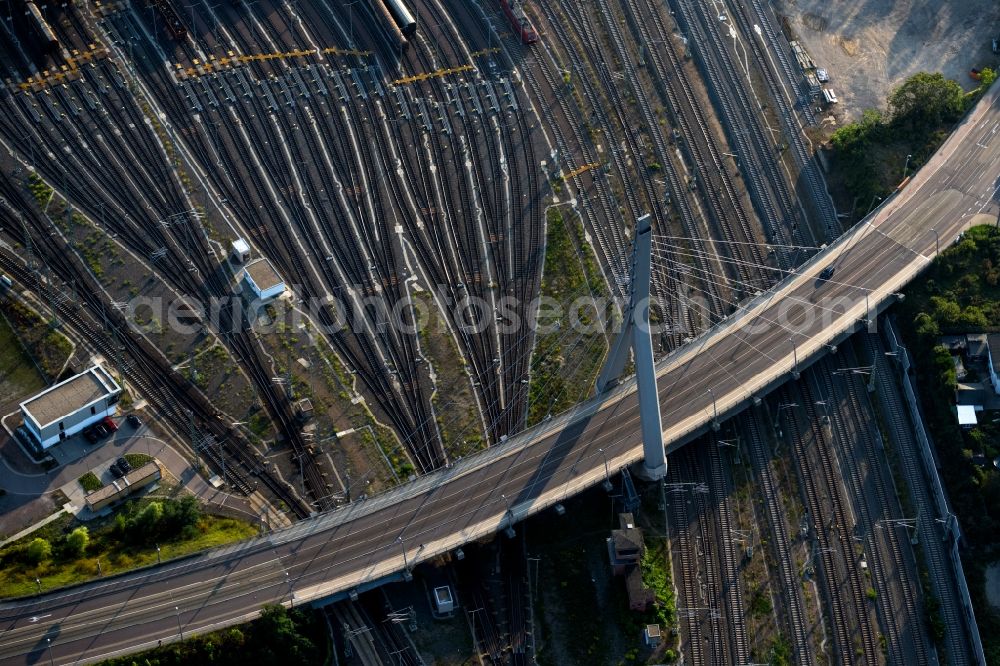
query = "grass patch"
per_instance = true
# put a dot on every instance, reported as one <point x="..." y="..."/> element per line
<point x="656" y="576"/>
<point x="454" y="403"/>
<point x="113" y="545"/>
<point x="18" y="375"/>
<point x="137" y="460"/>
<point x="48" y="347"/>
<point x="90" y="482"/>
<point x="39" y="189"/>
<point x="570" y="343"/>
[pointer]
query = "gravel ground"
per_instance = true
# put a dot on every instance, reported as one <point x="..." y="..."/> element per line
<point x="870" y="46"/>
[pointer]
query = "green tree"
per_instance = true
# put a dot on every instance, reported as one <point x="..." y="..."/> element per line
<point x="144" y="525"/>
<point x="926" y="328"/>
<point x="925" y="101"/>
<point x="946" y="312"/>
<point x="945" y="367"/>
<point x="276" y="638"/>
<point x="180" y="515"/>
<point x="987" y="77"/>
<point x="77" y="540"/>
<point x="38" y="550"/>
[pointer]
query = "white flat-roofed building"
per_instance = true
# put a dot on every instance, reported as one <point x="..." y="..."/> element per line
<point x="967" y="415"/>
<point x="262" y="280"/>
<point x="66" y="408"/>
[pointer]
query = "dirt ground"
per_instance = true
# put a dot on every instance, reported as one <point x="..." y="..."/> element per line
<point x="870" y="46"/>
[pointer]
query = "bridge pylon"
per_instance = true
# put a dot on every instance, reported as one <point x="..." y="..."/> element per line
<point x="636" y="334"/>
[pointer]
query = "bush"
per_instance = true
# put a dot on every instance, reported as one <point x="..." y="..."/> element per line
<point x="38" y="551"/>
<point x="76" y="542"/>
<point x="158" y="521"/>
<point x="137" y="460"/>
<point x="90" y="482"/>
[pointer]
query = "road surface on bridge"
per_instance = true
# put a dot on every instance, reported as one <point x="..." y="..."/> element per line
<point x="366" y="541"/>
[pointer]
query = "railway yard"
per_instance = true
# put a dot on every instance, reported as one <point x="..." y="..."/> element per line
<point x="397" y="165"/>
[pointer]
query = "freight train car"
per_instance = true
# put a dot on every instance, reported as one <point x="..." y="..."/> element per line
<point x="46" y="36"/>
<point x="402" y="16"/>
<point x="175" y="28"/>
<point x="389" y="25"/>
<point x="519" y="21"/>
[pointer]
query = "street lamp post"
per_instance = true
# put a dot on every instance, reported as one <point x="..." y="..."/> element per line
<point x="872" y="204"/>
<point x="607" y="471"/>
<point x="795" y="359"/>
<point x="937" y="242"/>
<point x="180" y="631"/>
<point x="406" y="563"/>
<point x="158" y="561"/>
<point x="48" y="643"/>
<point x="715" y="410"/>
<point x="906" y="165"/>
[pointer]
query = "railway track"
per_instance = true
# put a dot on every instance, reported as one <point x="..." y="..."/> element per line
<point x="611" y="246"/>
<point x="640" y="198"/>
<point x="713" y="179"/>
<point x="148" y="157"/>
<point x="693" y="606"/>
<point x="932" y="547"/>
<point x="731" y="591"/>
<point x="757" y="154"/>
<point x="146" y="368"/>
<point x="793" y="608"/>
<point x="286" y="246"/>
<point x="816" y="187"/>
<point x="187" y="256"/>
<point x="837" y="622"/>
<point x="893" y="572"/>
<point x="832" y="532"/>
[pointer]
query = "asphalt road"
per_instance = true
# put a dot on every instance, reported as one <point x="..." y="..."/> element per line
<point x="365" y="541"/>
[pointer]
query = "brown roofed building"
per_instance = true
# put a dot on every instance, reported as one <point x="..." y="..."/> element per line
<point x="625" y="545"/>
<point x="640" y="597"/>
<point x="121" y="488"/>
<point x="625" y="549"/>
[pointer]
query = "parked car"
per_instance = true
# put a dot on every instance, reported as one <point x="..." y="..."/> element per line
<point x="109" y="423"/>
<point x="91" y="435"/>
<point x="822" y="75"/>
<point x="114" y="469"/>
<point x="133" y="420"/>
<point x="827" y="273"/>
<point x="124" y="466"/>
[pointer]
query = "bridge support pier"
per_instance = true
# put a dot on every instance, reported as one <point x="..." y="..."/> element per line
<point x="636" y="334"/>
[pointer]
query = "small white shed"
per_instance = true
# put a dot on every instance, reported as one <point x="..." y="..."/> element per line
<point x="967" y="416"/>
<point x="241" y="251"/>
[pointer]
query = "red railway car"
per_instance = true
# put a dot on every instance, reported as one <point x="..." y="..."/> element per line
<point x="519" y="21"/>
